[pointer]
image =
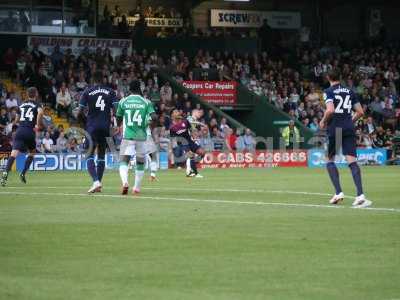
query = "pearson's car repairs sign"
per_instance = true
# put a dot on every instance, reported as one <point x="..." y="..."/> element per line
<point x="255" y="159"/>
<point x="215" y="92"/>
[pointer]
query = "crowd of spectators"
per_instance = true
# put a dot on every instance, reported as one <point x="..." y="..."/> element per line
<point x="293" y="83"/>
<point x="62" y="77"/>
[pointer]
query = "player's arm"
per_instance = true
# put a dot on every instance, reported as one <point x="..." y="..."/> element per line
<point x="82" y="107"/>
<point x="119" y="115"/>
<point x="329" y="111"/>
<point x="197" y="123"/>
<point x="39" y="119"/>
<point x="358" y="112"/>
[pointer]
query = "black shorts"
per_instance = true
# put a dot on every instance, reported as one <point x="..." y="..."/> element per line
<point x="347" y="143"/>
<point x="98" y="137"/>
<point x="24" y="139"/>
<point x="190" y="146"/>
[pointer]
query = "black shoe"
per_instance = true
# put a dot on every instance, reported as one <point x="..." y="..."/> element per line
<point x="22" y="177"/>
<point x="3" y="180"/>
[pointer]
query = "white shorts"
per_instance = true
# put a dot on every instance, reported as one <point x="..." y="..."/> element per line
<point x="133" y="148"/>
<point x="150" y="145"/>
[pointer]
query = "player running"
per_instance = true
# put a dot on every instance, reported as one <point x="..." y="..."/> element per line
<point x="340" y="101"/>
<point x="99" y="101"/>
<point x="180" y="130"/>
<point x="29" y="115"/>
<point x="134" y="113"/>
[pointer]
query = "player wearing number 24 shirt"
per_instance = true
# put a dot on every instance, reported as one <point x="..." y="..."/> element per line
<point x="98" y="102"/>
<point x="29" y="118"/>
<point x="339" y="119"/>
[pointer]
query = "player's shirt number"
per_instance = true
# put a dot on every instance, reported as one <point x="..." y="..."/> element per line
<point x="136" y="118"/>
<point x="343" y="104"/>
<point x="100" y="103"/>
<point x="26" y="114"/>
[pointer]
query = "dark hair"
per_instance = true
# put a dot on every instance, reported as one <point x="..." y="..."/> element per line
<point x="32" y="92"/>
<point x="333" y="75"/>
<point x="134" y="87"/>
<point x="97" y="77"/>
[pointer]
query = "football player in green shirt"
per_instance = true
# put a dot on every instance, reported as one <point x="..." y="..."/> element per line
<point x="134" y="114"/>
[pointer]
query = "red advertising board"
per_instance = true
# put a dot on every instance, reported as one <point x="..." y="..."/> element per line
<point x="257" y="159"/>
<point x="215" y="92"/>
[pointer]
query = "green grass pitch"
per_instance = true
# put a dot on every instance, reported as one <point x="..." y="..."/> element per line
<point x="236" y="234"/>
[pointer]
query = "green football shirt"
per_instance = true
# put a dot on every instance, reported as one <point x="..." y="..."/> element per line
<point x="135" y="111"/>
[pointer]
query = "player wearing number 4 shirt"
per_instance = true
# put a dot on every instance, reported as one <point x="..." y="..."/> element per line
<point x="134" y="113"/>
<point x="340" y="102"/>
<point x="30" y="117"/>
<point x="97" y="101"/>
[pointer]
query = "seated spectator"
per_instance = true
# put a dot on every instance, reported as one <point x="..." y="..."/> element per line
<point x="63" y="101"/>
<point x="3" y="120"/>
<point x="47" y="144"/>
<point x="61" y="144"/>
<point x="230" y="139"/>
<point x="11" y="101"/>
<point x="166" y="92"/>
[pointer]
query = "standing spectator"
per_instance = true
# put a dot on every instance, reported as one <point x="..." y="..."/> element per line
<point x="63" y="101"/>
<point x="291" y="135"/>
<point x="9" y="61"/>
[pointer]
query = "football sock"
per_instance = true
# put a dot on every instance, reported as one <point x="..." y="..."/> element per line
<point x="188" y="166"/>
<point x="123" y="172"/>
<point x="356" y="173"/>
<point x="153" y="168"/>
<point x="193" y="165"/>
<point x="139" y="173"/>
<point x="101" y="164"/>
<point x="92" y="168"/>
<point x="334" y="175"/>
<point x="27" y="164"/>
<point x="10" y="162"/>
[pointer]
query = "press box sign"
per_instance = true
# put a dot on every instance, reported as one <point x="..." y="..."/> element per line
<point x="255" y="19"/>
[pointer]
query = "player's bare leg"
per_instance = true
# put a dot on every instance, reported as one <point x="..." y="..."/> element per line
<point x="10" y="162"/>
<point x="124" y="173"/>
<point x="360" y="201"/>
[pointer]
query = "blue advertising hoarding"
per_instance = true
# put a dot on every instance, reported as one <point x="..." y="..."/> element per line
<point x="316" y="157"/>
<point x="72" y="162"/>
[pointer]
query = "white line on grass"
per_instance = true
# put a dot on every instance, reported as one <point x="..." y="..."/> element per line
<point x="260" y="203"/>
<point x="200" y="189"/>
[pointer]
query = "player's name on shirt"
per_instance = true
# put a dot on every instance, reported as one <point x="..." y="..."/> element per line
<point x="341" y="90"/>
<point x="98" y="91"/>
<point x="134" y="105"/>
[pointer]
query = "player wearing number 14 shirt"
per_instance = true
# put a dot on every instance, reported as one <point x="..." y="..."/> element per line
<point x="134" y="113"/>
<point x="338" y="118"/>
<point x="98" y="102"/>
<point x="29" y="117"/>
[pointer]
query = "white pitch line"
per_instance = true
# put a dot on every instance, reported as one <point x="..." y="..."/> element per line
<point x="259" y="203"/>
<point x="258" y="191"/>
